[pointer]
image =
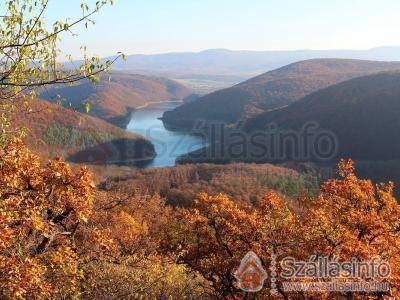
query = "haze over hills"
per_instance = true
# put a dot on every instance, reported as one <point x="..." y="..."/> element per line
<point x="215" y="69"/>
<point x="272" y="90"/>
<point x="57" y="131"/>
<point x="117" y="94"/>
<point x="239" y="63"/>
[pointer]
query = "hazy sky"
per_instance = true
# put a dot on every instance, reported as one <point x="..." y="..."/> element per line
<point x="156" y="26"/>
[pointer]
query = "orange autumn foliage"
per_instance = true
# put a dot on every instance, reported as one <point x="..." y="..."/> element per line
<point x="213" y="236"/>
<point x="41" y="208"/>
<point x="353" y="218"/>
<point x="134" y="269"/>
<point x="350" y="218"/>
<point x="62" y="238"/>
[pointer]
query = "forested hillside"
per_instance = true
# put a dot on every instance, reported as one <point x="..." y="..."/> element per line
<point x="117" y="94"/>
<point x="362" y="113"/>
<point x="53" y="130"/>
<point x="246" y="183"/>
<point x="272" y="90"/>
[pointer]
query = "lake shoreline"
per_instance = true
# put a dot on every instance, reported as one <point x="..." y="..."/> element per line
<point x="169" y="144"/>
<point x="157" y="102"/>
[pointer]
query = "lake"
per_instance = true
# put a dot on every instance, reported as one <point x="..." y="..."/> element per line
<point x="168" y="144"/>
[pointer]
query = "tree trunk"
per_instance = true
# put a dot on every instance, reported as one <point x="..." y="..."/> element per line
<point x="349" y="296"/>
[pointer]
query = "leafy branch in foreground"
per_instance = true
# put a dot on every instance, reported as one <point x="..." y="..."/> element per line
<point x="29" y="49"/>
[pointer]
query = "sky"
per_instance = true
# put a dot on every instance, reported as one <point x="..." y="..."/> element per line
<point x="158" y="26"/>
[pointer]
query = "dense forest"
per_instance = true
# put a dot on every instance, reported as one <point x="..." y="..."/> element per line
<point x="61" y="236"/>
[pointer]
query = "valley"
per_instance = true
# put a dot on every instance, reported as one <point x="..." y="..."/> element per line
<point x="272" y="90"/>
<point x="164" y="112"/>
<point x="168" y="144"/>
<point x="117" y="95"/>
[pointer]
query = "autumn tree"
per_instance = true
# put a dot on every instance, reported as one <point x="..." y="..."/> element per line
<point x="62" y="238"/>
<point x="30" y="55"/>
<point x="213" y="237"/>
<point x="350" y="218"/>
<point x="29" y="48"/>
<point x="135" y="269"/>
<point x="41" y="209"/>
<point x="52" y="241"/>
<point x="353" y="218"/>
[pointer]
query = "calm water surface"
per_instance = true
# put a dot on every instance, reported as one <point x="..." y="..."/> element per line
<point x="168" y="144"/>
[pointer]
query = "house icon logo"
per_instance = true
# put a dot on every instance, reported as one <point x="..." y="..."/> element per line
<point x="251" y="274"/>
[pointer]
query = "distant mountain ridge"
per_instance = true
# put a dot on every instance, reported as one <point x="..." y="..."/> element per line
<point x="240" y="63"/>
<point x="272" y="90"/>
<point x="215" y="69"/>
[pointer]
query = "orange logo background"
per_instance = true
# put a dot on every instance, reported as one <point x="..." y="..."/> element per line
<point x="251" y="273"/>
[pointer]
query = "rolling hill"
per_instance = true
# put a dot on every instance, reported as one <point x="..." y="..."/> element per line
<point x="272" y="90"/>
<point x="57" y="131"/>
<point x="363" y="113"/>
<point x="116" y="95"/>
<point x="357" y="118"/>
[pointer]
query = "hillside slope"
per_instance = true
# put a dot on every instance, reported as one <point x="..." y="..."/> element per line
<point x="117" y="94"/>
<point x="363" y="113"/>
<point x="272" y="90"/>
<point x="56" y="131"/>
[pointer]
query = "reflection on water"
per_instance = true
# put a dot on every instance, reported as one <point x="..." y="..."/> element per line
<point x="168" y="144"/>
